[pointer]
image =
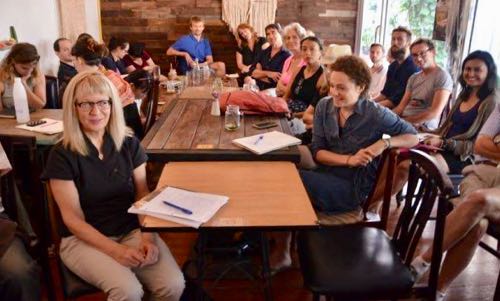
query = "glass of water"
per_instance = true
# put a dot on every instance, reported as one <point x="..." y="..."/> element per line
<point x="232" y="118"/>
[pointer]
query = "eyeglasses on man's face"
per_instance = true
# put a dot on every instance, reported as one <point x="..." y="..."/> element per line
<point x="87" y="106"/>
<point x="420" y="54"/>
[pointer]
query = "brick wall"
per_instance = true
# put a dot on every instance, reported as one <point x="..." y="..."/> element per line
<point x="158" y="23"/>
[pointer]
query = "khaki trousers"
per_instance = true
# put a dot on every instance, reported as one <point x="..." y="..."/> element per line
<point x="164" y="279"/>
<point x="478" y="177"/>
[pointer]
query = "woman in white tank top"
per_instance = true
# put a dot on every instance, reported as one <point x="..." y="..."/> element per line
<point x="22" y="61"/>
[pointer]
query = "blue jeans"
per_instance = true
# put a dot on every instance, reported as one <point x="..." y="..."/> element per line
<point x="19" y="274"/>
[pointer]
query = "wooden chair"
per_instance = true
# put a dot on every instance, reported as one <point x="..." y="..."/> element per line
<point x="353" y="262"/>
<point x="21" y="152"/>
<point x="151" y="105"/>
<point x="72" y="285"/>
<point x="52" y="92"/>
<point x="29" y="215"/>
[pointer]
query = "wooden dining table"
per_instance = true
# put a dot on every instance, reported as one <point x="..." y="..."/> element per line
<point x="8" y="127"/>
<point x="263" y="196"/>
<point x="186" y="131"/>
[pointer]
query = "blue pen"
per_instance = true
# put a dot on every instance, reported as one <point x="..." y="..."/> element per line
<point x="261" y="137"/>
<point x="184" y="210"/>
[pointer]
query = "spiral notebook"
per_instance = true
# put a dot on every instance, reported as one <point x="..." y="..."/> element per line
<point x="266" y="142"/>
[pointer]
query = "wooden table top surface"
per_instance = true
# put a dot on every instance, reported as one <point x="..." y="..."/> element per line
<point x="261" y="194"/>
<point x="186" y="131"/>
<point x="8" y="127"/>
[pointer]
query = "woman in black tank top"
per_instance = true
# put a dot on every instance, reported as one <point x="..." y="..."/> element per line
<point x="306" y="83"/>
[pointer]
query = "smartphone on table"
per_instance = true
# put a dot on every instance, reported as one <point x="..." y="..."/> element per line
<point x="264" y="125"/>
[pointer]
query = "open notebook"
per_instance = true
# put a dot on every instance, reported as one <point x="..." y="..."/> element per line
<point x="50" y="127"/>
<point x="267" y="142"/>
<point x="201" y="205"/>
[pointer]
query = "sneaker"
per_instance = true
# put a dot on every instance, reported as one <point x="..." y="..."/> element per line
<point x="419" y="267"/>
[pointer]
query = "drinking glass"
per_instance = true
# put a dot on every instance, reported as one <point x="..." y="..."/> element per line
<point x="232" y="118"/>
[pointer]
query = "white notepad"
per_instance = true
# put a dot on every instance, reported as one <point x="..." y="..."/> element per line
<point x="50" y="127"/>
<point x="202" y="205"/>
<point x="267" y="142"/>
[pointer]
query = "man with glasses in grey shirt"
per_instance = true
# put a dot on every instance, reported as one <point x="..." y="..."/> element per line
<point x="427" y="91"/>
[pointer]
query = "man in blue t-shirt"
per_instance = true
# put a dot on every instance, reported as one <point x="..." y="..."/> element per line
<point x="195" y="46"/>
<point x="399" y="70"/>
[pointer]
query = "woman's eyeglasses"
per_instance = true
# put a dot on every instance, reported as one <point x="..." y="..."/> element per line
<point x="87" y="106"/>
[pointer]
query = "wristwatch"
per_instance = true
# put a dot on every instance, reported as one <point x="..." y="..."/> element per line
<point x="387" y="142"/>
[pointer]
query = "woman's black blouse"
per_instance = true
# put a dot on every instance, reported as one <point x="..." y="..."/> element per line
<point x="250" y="56"/>
<point x="105" y="187"/>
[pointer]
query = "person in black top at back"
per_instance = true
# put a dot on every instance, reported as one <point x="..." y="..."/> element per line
<point x="307" y="82"/>
<point x="250" y="46"/>
<point x="66" y="71"/>
<point x="118" y="48"/>
<point x="268" y="67"/>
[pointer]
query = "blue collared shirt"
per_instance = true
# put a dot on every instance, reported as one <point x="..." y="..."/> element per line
<point x="397" y="78"/>
<point x="196" y="49"/>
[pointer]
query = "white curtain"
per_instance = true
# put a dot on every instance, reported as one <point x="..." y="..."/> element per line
<point x="73" y="18"/>
<point x="257" y="13"/>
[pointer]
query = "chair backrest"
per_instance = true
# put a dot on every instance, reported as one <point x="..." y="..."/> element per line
<point x="16" y="148"/>
<point x="52" y="92"/>
<point x="152" y="104"/>
<point x="384" y="180"/>
<point x="72" y="286"/>
<point x="55" y="219"/>
<point x="426" y="184"/>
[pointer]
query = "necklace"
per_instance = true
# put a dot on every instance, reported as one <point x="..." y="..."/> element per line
<point x="342" y="116"/>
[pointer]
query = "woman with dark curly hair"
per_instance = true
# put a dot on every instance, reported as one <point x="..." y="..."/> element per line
<point x="347" y="138"/>
<point x="347" y="142"/>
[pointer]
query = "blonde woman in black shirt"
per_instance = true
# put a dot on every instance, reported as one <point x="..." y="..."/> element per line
<point x="96" y="173"/>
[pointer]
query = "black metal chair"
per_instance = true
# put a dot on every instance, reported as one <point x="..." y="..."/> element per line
<point x="353" y="262"/>
<point x="72" y="285"/>
<point x="52" y="92"/>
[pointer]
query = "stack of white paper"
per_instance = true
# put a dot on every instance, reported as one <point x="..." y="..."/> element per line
<point x="267" y="142"/>
<point x="50" y="127"/>
<point x="201" y="205"/>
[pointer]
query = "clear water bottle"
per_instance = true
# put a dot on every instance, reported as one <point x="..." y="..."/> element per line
<point x="206" y="74"/>
<point x="20" y="101"/>
<point x="197" y="73"/>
